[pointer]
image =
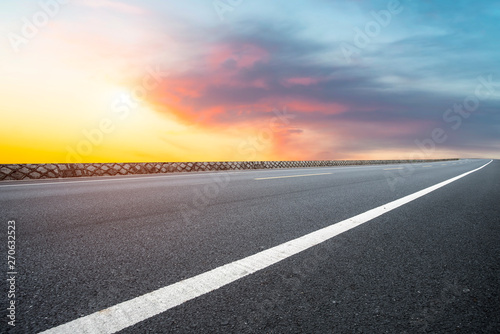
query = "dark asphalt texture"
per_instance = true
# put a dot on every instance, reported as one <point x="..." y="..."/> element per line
<point x="430" y="266"/>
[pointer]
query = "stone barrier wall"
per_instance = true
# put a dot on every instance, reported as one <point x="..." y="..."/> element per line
<point x="44" y="171"/>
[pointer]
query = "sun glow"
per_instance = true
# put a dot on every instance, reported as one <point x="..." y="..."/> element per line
<point x="146" y="81"/>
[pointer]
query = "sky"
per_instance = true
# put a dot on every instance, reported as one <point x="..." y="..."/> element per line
<point x="238" y="80"/>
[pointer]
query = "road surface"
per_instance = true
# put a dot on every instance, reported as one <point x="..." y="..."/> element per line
<point x="111" y="253"/>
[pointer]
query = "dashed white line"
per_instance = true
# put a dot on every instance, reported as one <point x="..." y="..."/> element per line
<point x="286" y="176"/>
<point x="131" y="312"/>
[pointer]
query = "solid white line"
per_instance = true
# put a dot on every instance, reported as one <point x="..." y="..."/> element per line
<point x="131" y="312"/>
<point x="285" y="176"/>
<point x="95" y="179"/>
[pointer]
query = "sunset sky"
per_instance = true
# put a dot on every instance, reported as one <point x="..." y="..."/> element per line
<point x="137" y="81"/>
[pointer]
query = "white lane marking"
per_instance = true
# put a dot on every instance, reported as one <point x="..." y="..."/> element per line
<point x="393" y="168"/>
<point x="285" y="176"/>
<point x="96" y="179"/>
<point x="135" y="310"/>
<point x="426" y="166"/>
<point x="91" y="179"/>
<point x="104" y="179"/>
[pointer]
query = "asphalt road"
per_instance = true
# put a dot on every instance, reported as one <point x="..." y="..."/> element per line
<point x="430" y="265"/>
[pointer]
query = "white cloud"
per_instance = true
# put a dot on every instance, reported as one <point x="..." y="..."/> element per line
<point x="113" y="5"/>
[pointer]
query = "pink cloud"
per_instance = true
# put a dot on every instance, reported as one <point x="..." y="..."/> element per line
<point x="241" y="56"/>
<point x="314" y="106"/>
<point x="302" y="81"/>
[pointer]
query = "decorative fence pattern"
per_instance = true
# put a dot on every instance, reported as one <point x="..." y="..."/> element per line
<point x="44" y="171"/>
